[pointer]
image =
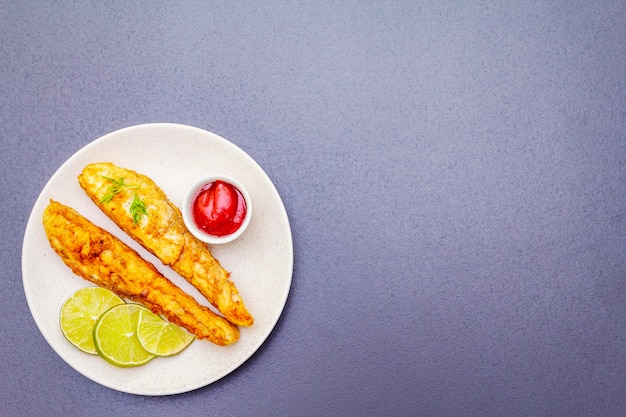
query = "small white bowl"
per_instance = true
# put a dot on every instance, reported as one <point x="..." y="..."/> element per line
<point x="187" y="210"/>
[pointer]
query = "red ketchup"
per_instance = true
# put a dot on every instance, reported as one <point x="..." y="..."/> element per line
<point x="219" y="208"/>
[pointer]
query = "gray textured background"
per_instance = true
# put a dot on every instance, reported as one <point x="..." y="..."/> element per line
<point x="454" y="173"/>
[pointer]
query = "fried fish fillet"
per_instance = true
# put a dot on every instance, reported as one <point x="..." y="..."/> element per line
<point x="98" y="256"/>
<point x="160" y="229"/>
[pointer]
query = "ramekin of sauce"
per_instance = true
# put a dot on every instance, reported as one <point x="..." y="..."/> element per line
<point x="217" y="209"/>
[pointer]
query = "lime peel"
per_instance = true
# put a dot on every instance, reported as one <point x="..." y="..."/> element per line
<point x="99" y="322"/>
<point x="160" y="337"/>
<point x="80" y="312"/>
<point x="115" y="336"/>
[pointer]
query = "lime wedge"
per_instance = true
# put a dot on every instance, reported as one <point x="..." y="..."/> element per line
<point x="115" y="336"/>
<point x="80" y="312"/>
<point x="160" y="337"/>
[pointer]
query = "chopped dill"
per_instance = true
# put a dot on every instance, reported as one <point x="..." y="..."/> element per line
<point x="117" y="186"/>
<point x="137" y="208"/>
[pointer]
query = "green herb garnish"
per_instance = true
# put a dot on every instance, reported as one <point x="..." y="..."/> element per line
<point x="117" y="186"/>
<point x="137" y="208"/>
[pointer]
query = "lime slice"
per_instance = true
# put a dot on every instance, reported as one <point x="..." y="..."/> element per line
<point x="115" y="336"/>
<point x="160" y="337"/>
<point x="80" y="312"/>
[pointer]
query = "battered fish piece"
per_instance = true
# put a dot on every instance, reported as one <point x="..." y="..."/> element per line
<point x="142" y="210"/>
<point x="98" y="256"/>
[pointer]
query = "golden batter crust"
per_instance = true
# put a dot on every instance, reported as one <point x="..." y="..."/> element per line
<point x="162" y="231"/>
<point x="98" y="256"/>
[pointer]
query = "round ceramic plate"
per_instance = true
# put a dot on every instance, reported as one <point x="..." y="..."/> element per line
<point x="260" y="261"/>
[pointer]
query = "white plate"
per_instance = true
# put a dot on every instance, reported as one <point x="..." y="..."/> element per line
<point x="260" y="261"/>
